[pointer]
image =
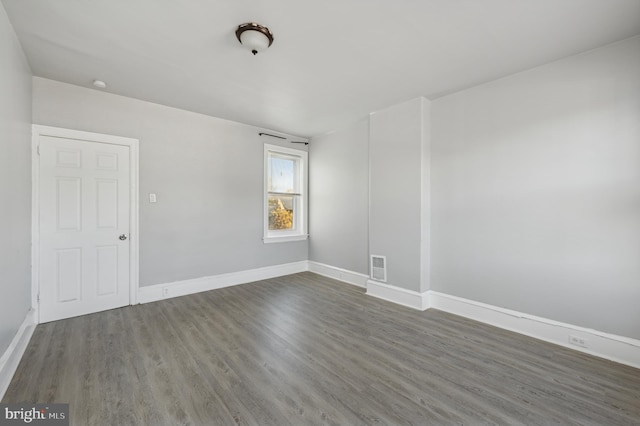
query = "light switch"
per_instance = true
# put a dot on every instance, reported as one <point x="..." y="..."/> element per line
<point x="152" y="198"/>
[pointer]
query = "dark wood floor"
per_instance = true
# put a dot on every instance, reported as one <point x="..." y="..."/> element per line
<point x="304" y="349"/>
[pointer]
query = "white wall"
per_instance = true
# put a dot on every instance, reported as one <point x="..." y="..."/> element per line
<point x="15" y="184"/>
<point x="207" y="174"/>
<point x="339" y="202"/>
<point x="536" y="191"/>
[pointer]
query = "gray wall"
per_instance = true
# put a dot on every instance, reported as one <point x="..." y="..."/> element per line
<point x="15" y="184"/>
<point x="206" y="172"/>
<point x="395" y="191"/>
<point x="425" y="201"/>
<point x="339" y="202"/>
<point x="536" y="191"/>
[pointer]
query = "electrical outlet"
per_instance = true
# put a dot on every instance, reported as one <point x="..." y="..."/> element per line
<point x="578" y="341"/>
<point x="165" y="291"/>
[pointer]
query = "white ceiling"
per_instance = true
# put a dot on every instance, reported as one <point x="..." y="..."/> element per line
<point x="332" y="61"/>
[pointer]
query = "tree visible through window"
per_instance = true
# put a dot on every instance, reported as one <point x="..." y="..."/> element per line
<point x="280" y="217"/>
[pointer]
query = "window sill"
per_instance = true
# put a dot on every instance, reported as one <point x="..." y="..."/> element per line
<point x="285" y="239"/>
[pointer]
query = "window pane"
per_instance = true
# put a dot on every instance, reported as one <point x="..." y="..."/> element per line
<point x="282" y="177"/>
<point x="280" y="212"/>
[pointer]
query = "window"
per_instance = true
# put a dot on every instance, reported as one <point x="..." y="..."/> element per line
<point x="285" y="198"/>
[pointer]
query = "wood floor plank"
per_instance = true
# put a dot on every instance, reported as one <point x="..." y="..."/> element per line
<point x="305" y="349"/>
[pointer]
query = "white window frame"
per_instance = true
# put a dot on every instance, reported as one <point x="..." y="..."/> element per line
<point x="301" y="202"/>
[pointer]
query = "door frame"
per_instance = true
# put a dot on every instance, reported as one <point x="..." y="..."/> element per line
<point x="134" y="240"/>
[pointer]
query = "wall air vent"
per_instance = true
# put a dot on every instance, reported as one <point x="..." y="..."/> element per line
<point x="379" y="268"/>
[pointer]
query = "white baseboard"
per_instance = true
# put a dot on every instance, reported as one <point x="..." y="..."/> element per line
<point x="609" y="346"/>
<point x="398" y="295"/>
<point x="604" y="345"/>
<point x="182" y="288"/>
<point x="339" y="274"/>
<point x="12" y="356"/>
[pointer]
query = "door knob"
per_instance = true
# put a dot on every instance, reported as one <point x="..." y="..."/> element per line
<point x="123" y="237"/>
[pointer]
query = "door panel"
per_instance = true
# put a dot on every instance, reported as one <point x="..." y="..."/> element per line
<point x="84" y="207"/>
<point x="68" y="203"/>
<point x="68" y="275"/>
<point x="107" y="270"/>
<point x="107" y="198"/>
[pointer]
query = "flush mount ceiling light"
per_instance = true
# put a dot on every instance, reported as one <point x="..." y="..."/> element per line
<point x="99" y="84"/>
<point x="254" y="37"/>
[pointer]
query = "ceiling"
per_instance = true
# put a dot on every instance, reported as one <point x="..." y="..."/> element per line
<point x="332" y="61"/>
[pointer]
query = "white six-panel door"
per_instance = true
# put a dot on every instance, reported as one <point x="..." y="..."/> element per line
<point x="84" y="227"/>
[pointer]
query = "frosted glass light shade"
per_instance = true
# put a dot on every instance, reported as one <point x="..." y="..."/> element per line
<point x="255" y="41"/>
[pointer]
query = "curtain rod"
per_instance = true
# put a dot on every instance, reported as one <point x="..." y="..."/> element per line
<point x="273" y="136"/>
<point x="281" y="137"/>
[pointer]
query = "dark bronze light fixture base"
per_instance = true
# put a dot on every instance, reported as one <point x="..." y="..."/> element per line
<point x="252" y="26"/>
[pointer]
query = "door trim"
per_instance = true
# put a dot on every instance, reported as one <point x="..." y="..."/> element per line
<point x="134" y="240"/>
